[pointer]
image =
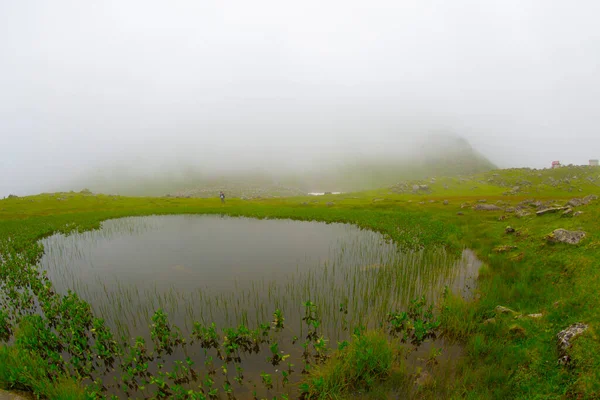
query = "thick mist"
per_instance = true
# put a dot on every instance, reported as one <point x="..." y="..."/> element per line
<point x="127" y="88"/>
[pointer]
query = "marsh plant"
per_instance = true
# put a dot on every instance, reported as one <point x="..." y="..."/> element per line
<point x="263" y="338"/>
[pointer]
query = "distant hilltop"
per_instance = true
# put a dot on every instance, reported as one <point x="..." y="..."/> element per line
<point x="432" y="155"/>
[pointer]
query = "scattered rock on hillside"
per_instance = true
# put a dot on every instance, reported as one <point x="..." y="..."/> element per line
<point x="576" y="202"/>
<point x="509" y="229"/>
<point x="565" y="340"/>
<point x="446" y="202"/>
<point x="504" y="248"/>
<point x="482" y="201"/>
<point x="330" y="204"/>
<point x="460" y="213"/>
<point x="521" y="213"/>
<point x="550" y="210"/>
<point x="487" y="207"/>
<point x="565" y="236"/>
<point x="577" y="213"/>
<point x="567" y="213"/>
<point x="489" y="321"/>
<point x="504" y="310"/>
<point x="535" y="316"/>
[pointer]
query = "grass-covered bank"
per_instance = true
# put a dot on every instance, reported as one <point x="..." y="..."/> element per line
<point x="505" y="356"/>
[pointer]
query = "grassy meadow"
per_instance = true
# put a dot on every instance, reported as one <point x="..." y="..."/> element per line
<point x="54" y="343"/>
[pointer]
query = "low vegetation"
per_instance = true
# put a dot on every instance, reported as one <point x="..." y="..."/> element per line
<point x="525" y="295"/>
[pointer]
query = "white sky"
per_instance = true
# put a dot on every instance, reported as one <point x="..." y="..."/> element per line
<point x="156" y="84"/>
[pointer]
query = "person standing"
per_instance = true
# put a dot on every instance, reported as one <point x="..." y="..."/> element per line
<point x="222" y="196"/>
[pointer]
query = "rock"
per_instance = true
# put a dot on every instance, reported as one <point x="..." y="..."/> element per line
<point x="504" y="310"/>
<point x="550" y="210"/>
<point x="583" y="201"/>
<point x="304" y="203"/>
<point x="464" y="205"/>
<point x="330" y="204"/>
<point x="567" y="213"/>
<point x="487" y="207"/>
<point x="577" y="213"/>
<point x="502" y="217"/>
<point x="377" y="200"/>
<point x="510" y="210"/>
<point x="415" y="188"/>
<point x="446" y="202"/>
<point x="509" y="229"/>
<point x="565" y="236"/>
<point x="504" y="249"/>
<point x="535" y="316"/>
<point x="482" y="201"/>
<point x="489" y="321"/>
<point x="565" y="340"/>
<point x="460" y="213"/>
<point x="328" y="193"/>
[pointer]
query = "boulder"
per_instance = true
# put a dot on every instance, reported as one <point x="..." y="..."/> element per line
<point x="576" y="202"/>
<point x="565" y="236"/>
<point x="446" y="202"/>
<point x="550" y="210"/>
<point x="577" y="213"/>
<point x="487" y="207"/>
<point x="565" y="340"/>
<point x="567" y="213"/>
<point x="460" y="213"/>
<point x="509" y="229"/>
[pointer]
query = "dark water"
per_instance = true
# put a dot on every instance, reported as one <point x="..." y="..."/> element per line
<point x="238" y="270"/>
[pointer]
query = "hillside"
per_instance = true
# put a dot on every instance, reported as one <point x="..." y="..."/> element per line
<point x="434" y="155"/>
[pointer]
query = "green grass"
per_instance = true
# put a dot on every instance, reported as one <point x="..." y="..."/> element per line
<point x="508" y="358"/>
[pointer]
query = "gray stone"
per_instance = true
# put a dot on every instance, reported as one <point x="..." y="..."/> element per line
<point x="565" y="236"/>
<point x="577" y="213"/>
<point x="487" y="207"/>
<point x="567" y="213"/>
<point x="446" y="202"/>
<point x="482" y="201"/>
<point x="509" y="229"/>
<point x="329" y="204"/>
<point x="576" y="202"/>
<point x="550" y="210"/>
<point x="460" y="213"/>
<point x="504" y="310"/>
<point x="565" y="340"/>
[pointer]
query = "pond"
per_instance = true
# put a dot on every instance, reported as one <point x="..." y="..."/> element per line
<point x="237" y="271"/>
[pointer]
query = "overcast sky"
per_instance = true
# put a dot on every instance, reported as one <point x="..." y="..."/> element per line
<point x="88" y="84"/>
